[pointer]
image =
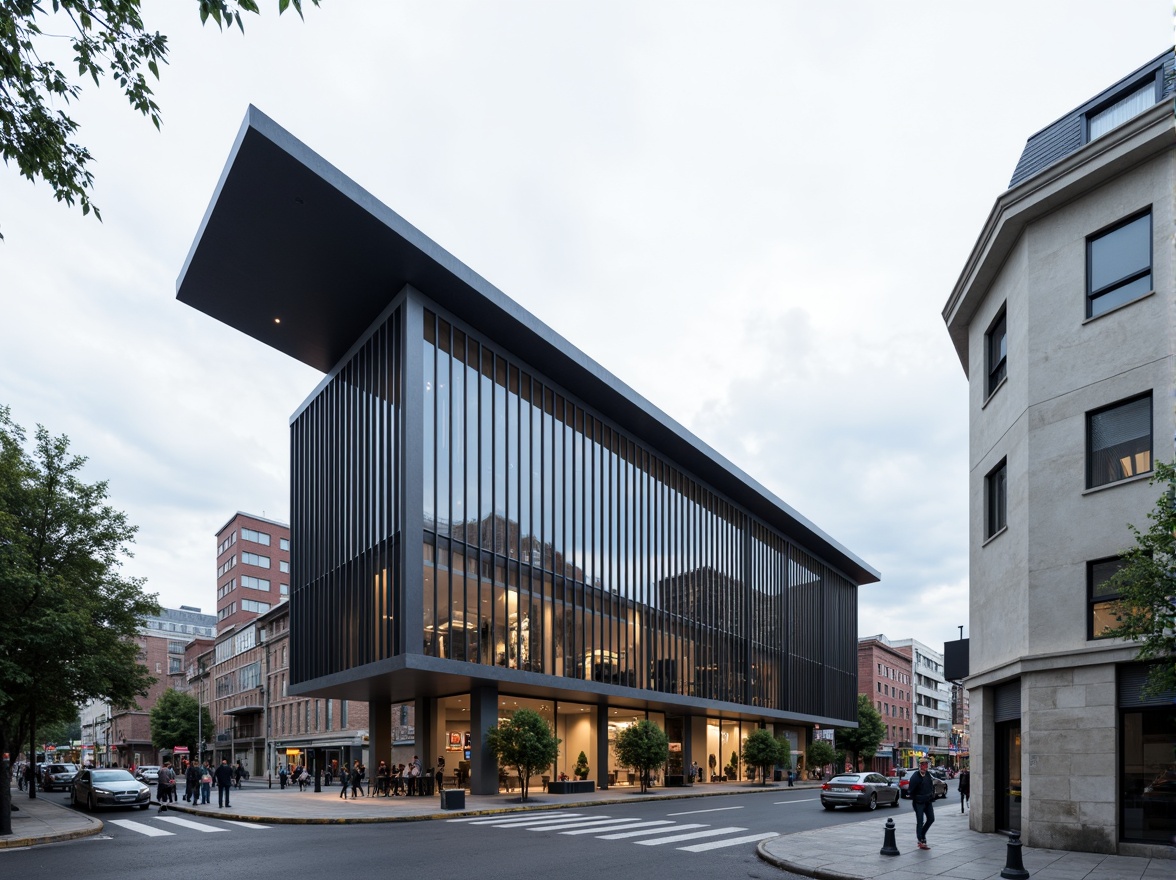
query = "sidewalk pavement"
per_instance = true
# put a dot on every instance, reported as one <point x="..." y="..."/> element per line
<point x="847" y="851"/>
<point x="851" y="852"/>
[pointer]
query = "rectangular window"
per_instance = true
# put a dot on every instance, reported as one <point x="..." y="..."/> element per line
<point x="1102" y="599"/>
<point x="1119" y="441"/>
<point x="254" y="559"/>
<point x="255" y="583"/>
<point x="284" y="589"/>
<point x="284" y="566"/>
<point x="996" y="348"/>
<point x="1129" y="105"/>
<point x="284" y="544"/>
<point x="255" y="537"/>
<point x="996" y="500"/>
<point x="258" y="607"/>
<point x="1118" y="264"/>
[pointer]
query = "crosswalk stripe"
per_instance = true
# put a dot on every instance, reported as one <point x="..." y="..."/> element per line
<point x="713" y="832"/>
<point x="624" y="834"/>
<point x="719" y="844"/>
<point x="567" y="823"/>
<point x="589" y="824"/>
<point x="246" y="824"/>
<point x="140" y="828"/>
<point x="508" y="820"/>
<point x="188" y="823"/>
<point x="627" y="824"/>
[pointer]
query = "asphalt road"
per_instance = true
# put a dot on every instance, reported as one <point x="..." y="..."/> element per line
<point x="699" y="838"/>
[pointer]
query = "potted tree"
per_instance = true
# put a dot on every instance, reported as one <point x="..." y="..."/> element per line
<point x="643" y="746"/>
<point x="525" y="742"/>
<point x="581" y="769"/>
<point x="712" y="763"/>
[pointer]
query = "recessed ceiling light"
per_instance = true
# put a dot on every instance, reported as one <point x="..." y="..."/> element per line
<point x="277" y="320"/>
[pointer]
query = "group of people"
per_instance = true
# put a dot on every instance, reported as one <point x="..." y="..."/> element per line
<point x="198" y="782"/>
<point x="299" y="776"/>
<point x="391" y="781"/>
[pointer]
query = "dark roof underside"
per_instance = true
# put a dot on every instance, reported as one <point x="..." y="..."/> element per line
<point x="289" y="238"/>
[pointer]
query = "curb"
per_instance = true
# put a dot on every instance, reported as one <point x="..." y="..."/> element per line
<point x="794" y="868"/>
<point x="94" y="826"/>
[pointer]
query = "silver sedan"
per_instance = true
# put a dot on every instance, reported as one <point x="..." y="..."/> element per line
<point x="865" y="790"/>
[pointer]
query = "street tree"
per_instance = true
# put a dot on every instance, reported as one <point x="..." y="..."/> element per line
<point x="643" y="746"/>
<point x="107" y="38"/>
<point x="862" y="741"/>
<point x="819" y="754"/>
<point x="70" y="615"/>
<point x="175" y="722"/>
<point x="1146" y="587"/>
<point x="524" y="742"/>
<point x="762" y="750"/>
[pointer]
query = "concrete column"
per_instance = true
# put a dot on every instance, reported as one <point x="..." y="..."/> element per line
<point x="425" y="732"/>
<point x="698" y="747"/>
<point x="379" y="735"/>
<point x="687" y="747"/>
<point x="602" y="746"/>
<point x="483" y="716"/>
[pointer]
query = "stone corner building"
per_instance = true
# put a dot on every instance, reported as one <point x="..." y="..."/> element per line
<point x="1063" y="319"/>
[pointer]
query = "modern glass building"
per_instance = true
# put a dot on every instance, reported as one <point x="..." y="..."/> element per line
<point x="483" y="518"/>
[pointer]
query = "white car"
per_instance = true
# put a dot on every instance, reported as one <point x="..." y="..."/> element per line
<point x="149" y="773"/>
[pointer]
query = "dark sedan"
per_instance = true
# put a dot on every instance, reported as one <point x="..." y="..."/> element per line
<point x="940" y="785"/>
<point x="109" y="788"/>
<point x="58" y="776"/>
<point x="865" y="790"/>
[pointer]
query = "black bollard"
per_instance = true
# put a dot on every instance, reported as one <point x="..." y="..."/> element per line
<point x="889" y="847"/>
<point x="1014" y="869"/>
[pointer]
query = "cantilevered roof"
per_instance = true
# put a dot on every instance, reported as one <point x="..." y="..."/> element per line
<point x="298" y="256"/>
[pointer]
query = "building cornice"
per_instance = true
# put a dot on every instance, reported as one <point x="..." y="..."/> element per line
<point x="1093" y="656"/>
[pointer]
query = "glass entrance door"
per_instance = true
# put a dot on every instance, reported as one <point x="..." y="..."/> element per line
<point x="1008" y="775"/>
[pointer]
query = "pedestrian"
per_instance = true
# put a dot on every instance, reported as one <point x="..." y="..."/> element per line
<point x="791" y="776"/>
<point x="206" y="784"/>
<point x="356" y="780"/>
<point x="922" y="791"/>
<point x="344" y="778"/>
<point x="398" y="786"/>
<point x="965" y="789"/>
<point x="414" y="775"/>
<point x="238" y="774"/>
<point x="282" y="776"/>
<point x="192" y="782"/>
<point x="439" y="774"/>
<point x="381" y="786"/>
<point x="165" y="786"/>
<point x="328" y="775"/>
<point x="224" y="783"/>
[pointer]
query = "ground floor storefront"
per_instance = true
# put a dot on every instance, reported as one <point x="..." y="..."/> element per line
<point x="1075" y="757"/>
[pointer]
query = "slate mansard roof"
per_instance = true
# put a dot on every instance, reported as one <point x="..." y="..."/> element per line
<point x="298" y="256"/>
<point x="1066" y="135"/>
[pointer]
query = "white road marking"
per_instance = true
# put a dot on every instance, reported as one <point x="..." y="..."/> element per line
<point x="140" y="828"/>
<point x="718" y="844"/>
<point x="713" y="832"/>
<point x="247" y="824"/>
<point x="633" y="823"/>
<point x="715" y="810"/>
<point x="515" y="819"/>
<point x="798" y="801"/>
<point x="623" y="835"/>
<point x="188" y="823"/>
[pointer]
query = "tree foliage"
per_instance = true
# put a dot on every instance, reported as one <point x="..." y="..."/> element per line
<point x="108" y="38"/>
<point x="819" y="753"/>
<point x="70" y="617"/>
<point x="862" y="741"/>
<point x="1147" y="587"/>
<point x="764" y="751"/>
<point x="643" y="746"/>
<point x="524" y="742"/>
<point x="174" y="721"/>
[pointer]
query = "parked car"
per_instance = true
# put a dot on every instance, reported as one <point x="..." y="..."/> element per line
<point x="865" y="790"/>
<point x="904" y="778"/>
<point x="149" y="773"/>
<point x="58" y="776"/>
<point x="109" y="788"/>
<point x="939" y="773"/>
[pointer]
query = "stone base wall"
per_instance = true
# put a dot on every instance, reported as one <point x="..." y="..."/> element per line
<point x="1069" y="764"/>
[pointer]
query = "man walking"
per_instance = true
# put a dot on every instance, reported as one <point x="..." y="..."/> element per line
<point x="224" y="783"/>
<point x="965" y="789"/>
<point x="922" y="791"/>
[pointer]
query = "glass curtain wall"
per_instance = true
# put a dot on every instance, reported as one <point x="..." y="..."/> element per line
<point x="345" y="446"/>
<point x="555" y="543"/>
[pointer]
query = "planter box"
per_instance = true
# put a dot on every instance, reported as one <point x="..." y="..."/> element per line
<point x="675" y="780"/>
<point x="453" y="799"/>
<point x="575" y="786"/>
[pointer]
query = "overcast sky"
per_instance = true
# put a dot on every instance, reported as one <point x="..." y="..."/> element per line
<point x="752" y="213"/>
